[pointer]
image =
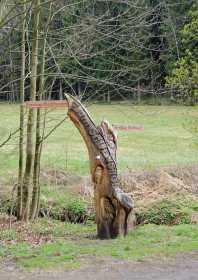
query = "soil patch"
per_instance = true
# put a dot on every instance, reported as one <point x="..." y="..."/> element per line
<point x="182" y="268"/>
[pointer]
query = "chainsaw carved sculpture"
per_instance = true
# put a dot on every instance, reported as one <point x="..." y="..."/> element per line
<point x="112" y="205"/>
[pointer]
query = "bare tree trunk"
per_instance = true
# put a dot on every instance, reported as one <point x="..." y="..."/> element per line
<point x="112" y="205"/>
<point x="36" y="170"/>
<point x="30" y="122"/>
<point x="49" y="97"/>
<point x="61" y="91"/>
<point x="21" y="137"/>
<point x="38" y="145"/>
<point x="108" y="97"/>
<point x="139" y="93"/>
<point x="12" y="86"/>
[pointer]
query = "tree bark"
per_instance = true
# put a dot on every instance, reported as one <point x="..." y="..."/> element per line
<point x="112" y="205"/>
<point x="21" y="136"/>
<point x="30" y="122"/>
<point x="38" y="146"/>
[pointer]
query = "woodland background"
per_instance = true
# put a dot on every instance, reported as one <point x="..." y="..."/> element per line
<point x="102" y="50"/>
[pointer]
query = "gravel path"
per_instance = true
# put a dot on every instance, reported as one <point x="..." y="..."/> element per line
<point x="185" y="267"/>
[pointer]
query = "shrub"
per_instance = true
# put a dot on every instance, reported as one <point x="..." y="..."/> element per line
<point x="64" y="206"/>
<point x="75" y="211"/>
<point x="167" y="212"/>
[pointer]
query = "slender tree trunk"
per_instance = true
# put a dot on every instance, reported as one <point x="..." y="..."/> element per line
<point x="108" y="97"/>
<point x="61" y="91"/>
<point x="36" y="170"/>
<point x="38" y="146"/>
<point x="30" y="122"/>
<point x="12" y="85"/>
<point x="112" y="205"/>
<point x="21" y="136"/>
<point x="139" y="93"/>
<point x="49" y="96"/>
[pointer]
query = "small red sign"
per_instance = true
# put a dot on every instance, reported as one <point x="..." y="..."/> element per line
<point x="128" y="127"/>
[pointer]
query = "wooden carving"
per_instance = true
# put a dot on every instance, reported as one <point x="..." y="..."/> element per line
<point x="112" y="205"/>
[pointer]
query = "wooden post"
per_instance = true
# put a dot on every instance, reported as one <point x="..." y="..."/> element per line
<point x="112" y="205"/>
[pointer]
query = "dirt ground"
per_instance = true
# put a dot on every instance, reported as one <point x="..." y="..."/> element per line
<point x="184" y="267"/>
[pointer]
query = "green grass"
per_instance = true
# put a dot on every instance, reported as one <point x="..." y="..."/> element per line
<point x="73" y="245"/>
<point x="164" y="141"/>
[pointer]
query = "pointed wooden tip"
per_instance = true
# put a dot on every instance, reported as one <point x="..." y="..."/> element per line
<point x="70" y="99"/>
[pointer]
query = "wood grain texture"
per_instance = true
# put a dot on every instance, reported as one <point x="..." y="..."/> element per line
<point x="112" y="205"/>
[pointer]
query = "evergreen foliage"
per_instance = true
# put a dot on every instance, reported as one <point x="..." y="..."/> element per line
<point x="184" y="76"/>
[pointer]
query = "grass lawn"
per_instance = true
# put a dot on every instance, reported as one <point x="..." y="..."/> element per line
<point x="163" y="142"/>
<point x="71" y="245"/>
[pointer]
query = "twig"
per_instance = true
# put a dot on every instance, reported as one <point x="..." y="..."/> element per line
<point x="9" y="137"/>
<point x="53" y="129"/>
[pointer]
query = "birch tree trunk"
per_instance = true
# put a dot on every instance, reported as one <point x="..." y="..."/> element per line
<point x="112" y="205"/>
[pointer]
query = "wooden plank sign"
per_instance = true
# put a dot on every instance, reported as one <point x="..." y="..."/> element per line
<point x="46" y="104"/>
